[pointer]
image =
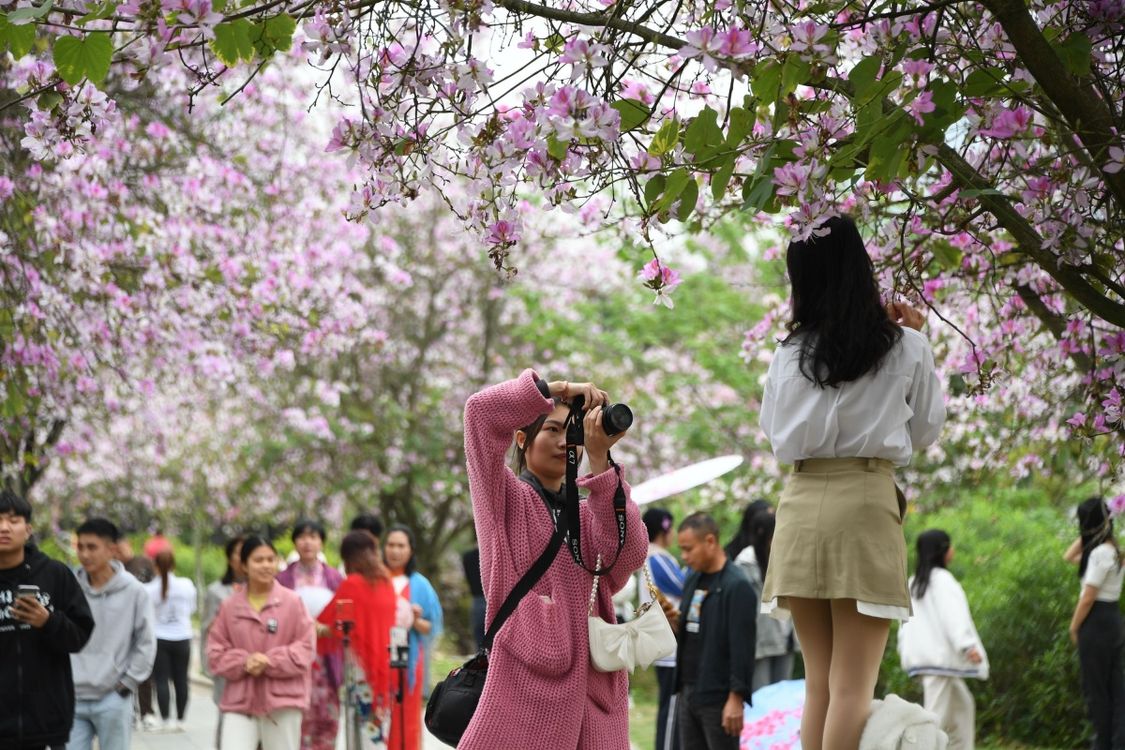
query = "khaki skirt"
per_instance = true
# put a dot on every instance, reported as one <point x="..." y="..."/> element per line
<point x="839" y="536"/>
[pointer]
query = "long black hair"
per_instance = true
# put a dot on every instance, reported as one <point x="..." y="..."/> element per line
<point x="1095" y="528"/>
<point x="761" y="537"/>
<point x="228" y="577"/>
<point x="741" y="540"/>
<point x="933" y="545"/>
<point x="838" y="319"/>
<point x="411" y="566"/>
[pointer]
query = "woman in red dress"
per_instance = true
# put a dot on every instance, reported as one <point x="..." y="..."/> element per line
<point x="367" y="599"/>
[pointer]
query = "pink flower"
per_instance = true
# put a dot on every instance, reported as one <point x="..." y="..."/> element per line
<point x="7" y="188"/>
<point x="1008" y="123"/>
<point x="503" y="233"/>
<point x="1078" y="420"/>
<point x="704" y="44"/>
<point x="631" y="89"/>
<point x="791" y="178"/>
<point x="157" y="130"/>
<point x="922" y="104"/>
<point x="1117" y="505"/>
<point x="661" y="279"/>
<point x="737" y="43"/>
<point x="1116" y="160"/>
<point x="917" y="69"/>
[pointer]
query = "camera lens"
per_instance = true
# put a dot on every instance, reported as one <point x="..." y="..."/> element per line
<point x="616" y="418"/>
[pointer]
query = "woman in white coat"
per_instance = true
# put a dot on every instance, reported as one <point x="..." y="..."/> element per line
<point x="940" y="643"/>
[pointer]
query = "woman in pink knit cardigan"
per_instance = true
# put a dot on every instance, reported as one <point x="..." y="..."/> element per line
<point x="541" y="690"/>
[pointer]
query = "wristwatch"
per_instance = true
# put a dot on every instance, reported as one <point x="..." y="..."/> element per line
<point x="123" y="690"/>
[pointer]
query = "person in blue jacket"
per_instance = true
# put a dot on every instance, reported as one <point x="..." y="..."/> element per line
<point x="419" y="595"/>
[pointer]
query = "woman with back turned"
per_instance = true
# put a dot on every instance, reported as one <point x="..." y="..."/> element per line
<point x="1096" y="625"/>
<point x="850" y="395"/>
<point x="940" y="642"/>
<point x="541" y="690"/>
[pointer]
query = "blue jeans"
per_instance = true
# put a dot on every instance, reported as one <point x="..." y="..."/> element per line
<point x="109" y="718"/>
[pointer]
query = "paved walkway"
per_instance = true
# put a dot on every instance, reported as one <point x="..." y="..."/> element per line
<point x="202" y="718"/>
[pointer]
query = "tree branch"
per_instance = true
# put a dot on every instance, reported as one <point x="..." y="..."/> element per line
<point x="1054" y="323"/>
<point x="1085" y="112"/>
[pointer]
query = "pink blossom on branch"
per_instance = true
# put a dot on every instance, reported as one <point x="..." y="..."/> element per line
<point x="662" y="279"/>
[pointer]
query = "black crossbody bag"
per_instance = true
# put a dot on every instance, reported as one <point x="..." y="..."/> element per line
<point x="455" y="699"/>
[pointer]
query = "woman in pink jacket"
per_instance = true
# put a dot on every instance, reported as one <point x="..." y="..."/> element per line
<point x="263" y="643"/>
<point x="541" y="690"/>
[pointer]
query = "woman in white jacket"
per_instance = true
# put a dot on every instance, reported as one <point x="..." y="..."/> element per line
<point x="940" y="643"/>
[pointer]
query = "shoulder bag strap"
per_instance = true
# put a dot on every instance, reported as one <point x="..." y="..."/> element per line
<point x="524" y="585"/>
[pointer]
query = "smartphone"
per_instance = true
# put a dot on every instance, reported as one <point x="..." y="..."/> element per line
<point x="27" y="591"/>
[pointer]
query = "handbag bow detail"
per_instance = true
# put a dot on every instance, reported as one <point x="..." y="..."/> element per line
<point x="627" y="645"/>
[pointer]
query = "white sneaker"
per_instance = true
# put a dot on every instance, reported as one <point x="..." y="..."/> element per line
<point x="150" y="723"/>
<point x="178" y="725"/>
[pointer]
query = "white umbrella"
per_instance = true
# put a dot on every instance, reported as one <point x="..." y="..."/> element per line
<point x="684" y="479"/>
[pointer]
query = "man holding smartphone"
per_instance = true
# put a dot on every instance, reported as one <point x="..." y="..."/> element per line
<point x="44" y="618"/>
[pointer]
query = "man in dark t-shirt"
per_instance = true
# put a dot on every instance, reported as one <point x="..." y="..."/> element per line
<point x="717" y="632"/>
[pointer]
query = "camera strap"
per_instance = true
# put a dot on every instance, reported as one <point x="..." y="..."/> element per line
<point x="572" y="512"/>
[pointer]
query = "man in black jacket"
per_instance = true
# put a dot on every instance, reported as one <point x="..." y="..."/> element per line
<point x="44" y="618"/>
<point x="717" y="632"/>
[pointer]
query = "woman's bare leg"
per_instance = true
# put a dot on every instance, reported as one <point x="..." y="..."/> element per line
<point x="858" y="642"/>
<point x="813" y="620"/>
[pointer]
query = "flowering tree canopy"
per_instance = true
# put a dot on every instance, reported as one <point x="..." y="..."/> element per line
<point x="979" y="143"/>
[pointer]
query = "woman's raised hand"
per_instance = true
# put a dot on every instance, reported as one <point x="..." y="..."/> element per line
<point x="567" y="391"/>
<point x="905" y="315"/>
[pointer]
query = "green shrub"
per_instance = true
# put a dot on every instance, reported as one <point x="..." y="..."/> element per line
<point x="1022" y="596"/>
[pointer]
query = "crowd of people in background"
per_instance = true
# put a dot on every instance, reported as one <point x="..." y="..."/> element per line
<point x="91" y="643"/>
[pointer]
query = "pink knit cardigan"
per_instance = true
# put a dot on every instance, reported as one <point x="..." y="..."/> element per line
<point x="541" y="690"/>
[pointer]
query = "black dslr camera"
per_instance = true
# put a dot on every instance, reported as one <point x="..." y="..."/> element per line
<point x="616" y="418"/>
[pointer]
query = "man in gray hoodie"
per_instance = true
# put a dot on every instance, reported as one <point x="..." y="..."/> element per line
<point x="122" y="650"/>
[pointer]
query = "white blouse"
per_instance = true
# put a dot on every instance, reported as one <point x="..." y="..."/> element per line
<point x="886" y="414"/>
<point x="1104" y="573"/>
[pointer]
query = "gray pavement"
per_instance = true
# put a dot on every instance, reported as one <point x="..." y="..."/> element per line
<point x="202" y="718"/>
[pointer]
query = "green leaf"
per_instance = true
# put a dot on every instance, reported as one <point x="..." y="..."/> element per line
<point x="863" y="74"/>
<point x="19" y="39"/>
<point x="666" y="138"/>
<point x="677" y="181"/>
<point x="741" y="125"/>
<point x="722" y="177"/>
<point x="48" y="100"/>
<point x="757" y="193"/>
<point x="83" y="57"/>
<point x="233" y="41"/>
<point x="688" y="198"/>
<point x="795" y="72"/>
<point x="766" y="81"/>
<point x="26" y="15"/>
<point x="888" y="152"/>
<point x="945" y="254"/>
<point x="654" y="187"/>
<point x="984" y="82"/>
<point x="557" y="148"/>
<point x="274" y="34"/>
<point x="703" y="136"/>
<point x="633" y="113"/>
<point x="1074" y="52"/>
<point x="103" y="10"/>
